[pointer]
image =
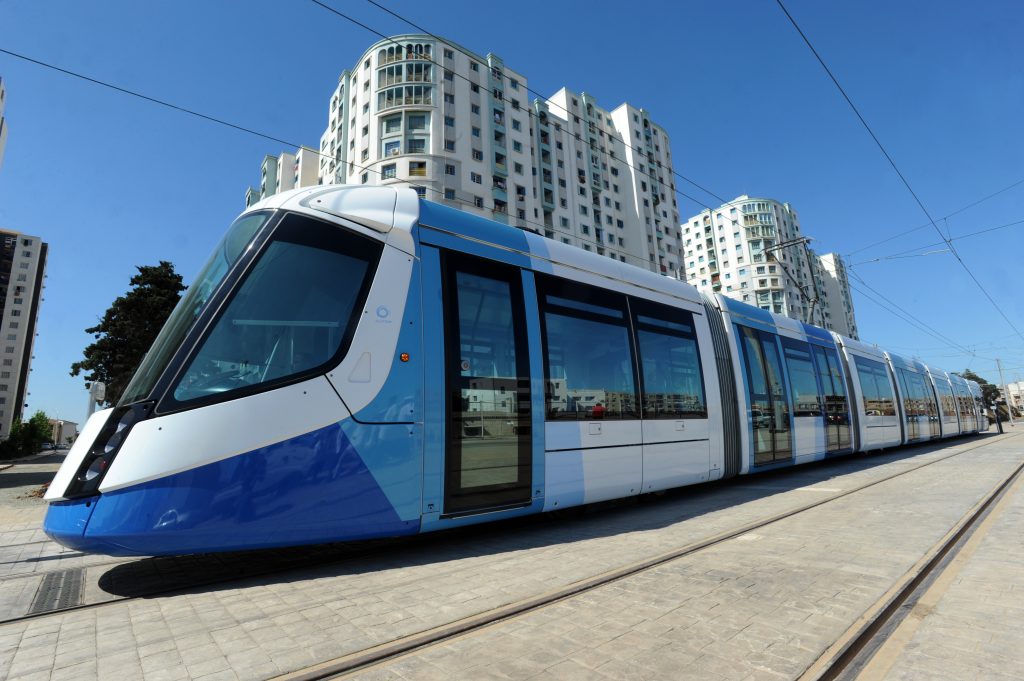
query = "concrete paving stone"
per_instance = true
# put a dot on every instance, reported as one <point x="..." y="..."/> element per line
<point x="35" y="676"/>
<point x="83" y="671"/>
<point x="256" y="672"/>
<point x="625" y="671"/>
<point x="165" y="674"/>
<point x="224" y="675"/>
<point x="162" y="660"/>
<point x="28" y="664"/>
<point x="192" y="655"/>
<point x="289" y="660"/>
<point x="206" y="666"/>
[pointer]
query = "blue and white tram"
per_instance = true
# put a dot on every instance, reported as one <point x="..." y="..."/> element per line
<point x="355" y="362"/>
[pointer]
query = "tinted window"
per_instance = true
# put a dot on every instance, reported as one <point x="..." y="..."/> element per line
<point x="238" y="238"/>
<point x="874" y="381"/>
<point x="802" y="380"/>
<point x="670" y="362"/>
<point x="588" y="357"/>
<point x="293" y="311"/>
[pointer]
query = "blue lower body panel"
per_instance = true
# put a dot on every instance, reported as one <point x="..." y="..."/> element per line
<point x="310" y="489"/>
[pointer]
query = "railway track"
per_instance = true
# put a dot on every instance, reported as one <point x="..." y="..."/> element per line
<point x="831" y="665"/>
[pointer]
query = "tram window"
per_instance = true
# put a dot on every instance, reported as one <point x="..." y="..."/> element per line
<point x="832" y="383"/>
<point x="673" y="387"/>
<point x="588" y="356"/>
<point x="754" y="364"/>
<point x="946" y="397"/>
<point x="806" y="399"/>
<point x="874" y="382"/>
<point x="294" y="311"/>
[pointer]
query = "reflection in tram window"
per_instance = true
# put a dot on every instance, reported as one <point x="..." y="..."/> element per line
<point x="806" y="400"/>
<point x="837" y="416"/>
<point x="673" y="387"/>
<point x="589" y="361"/>
<point x="874" y="383"/>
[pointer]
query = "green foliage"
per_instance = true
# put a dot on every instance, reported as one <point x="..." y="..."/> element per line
<point x="989" y="392"/>
<point x="27" y="438"/>
<point x="129" y="327"/>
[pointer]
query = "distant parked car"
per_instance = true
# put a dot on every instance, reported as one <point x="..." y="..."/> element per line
<point x="47" y="446"/>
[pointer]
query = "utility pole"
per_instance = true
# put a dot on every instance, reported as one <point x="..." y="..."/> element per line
<point x="1009" y="402"/>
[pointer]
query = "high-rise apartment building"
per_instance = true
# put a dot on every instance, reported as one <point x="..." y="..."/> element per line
<point x="22" y="273"/>
<point x="3" y="121"/>
<point x="284" y="172"/>
<point x="752" y="250"/>
<point x="462" y="130"/>
<point x="836" y="302"/>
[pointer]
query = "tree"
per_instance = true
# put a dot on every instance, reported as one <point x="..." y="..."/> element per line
<point x="129" y="327"/>
<point x="27" y="438"/>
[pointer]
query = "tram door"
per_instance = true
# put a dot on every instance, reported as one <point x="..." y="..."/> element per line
<point x="488" y="454"/>
<point x="910" y="405"/>
<point x="769" y="407"/>
<point x="837" y="412"/>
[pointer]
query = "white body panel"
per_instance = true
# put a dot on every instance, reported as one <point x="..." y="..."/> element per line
<point x="76" y="455"/>
<point x="364" y="369"/>
<point x="600" y="459"/>
<point x="188" y="439"/>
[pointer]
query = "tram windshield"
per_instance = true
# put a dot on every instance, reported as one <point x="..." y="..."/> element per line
<point x="237" y="240"/>
<point x="292" y="314"/>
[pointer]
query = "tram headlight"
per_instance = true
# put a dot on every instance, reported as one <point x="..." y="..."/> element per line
<point x="103" y="450"/>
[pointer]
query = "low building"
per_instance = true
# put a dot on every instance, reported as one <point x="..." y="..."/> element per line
<point x="63" y="432"/>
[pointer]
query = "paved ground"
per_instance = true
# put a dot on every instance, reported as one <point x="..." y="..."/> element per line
<point x="761" y="606"/>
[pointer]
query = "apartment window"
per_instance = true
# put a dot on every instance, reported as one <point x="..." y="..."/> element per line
<point x="26" y="242"/>
<point x="518" y="167"/>
<point x="478" y="155"/>
<point x="474" y="87"/>
<point x="389" y="171"/>
<point x="513" y="83"/>
<point x="475" y="131"/>
<point x="12" y="336"/>
<point x="478" y="202"/>
<point x="15" y="313"/>
<point x="24" y="265"/>
<point x="449" y="194"/>
<point x="27" y="254"/>
<point x="449" y="145"/>
<point x="449" y="54"/>
<point x="476" y="178"/>
<point x="448" y="75"/>
<point x="449" y="169"/>
<point x="14" y="325"/>
<point x="474" y="66"/>
<point x="364" y="178"/>
<point x="365" y="155"/>
<point x="416" y="146"/>
<point x="392" y="148"/>
<point x="421" y="192"/>
<point x="5" y="374"/>
<point x="449" y="122"/>
<point x="516" y="146"/>
<point x="516" y="125"/>
<point x="564" y="222"/>
<point x="449" y="98"/>
<point x="475" y="108"/>
<point x="418" y="168"/>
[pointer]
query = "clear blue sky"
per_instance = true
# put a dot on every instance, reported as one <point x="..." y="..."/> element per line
<point x="112" y="182"/>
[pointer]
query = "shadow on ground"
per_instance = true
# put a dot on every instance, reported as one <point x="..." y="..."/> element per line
<point x="212" y="572"/>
